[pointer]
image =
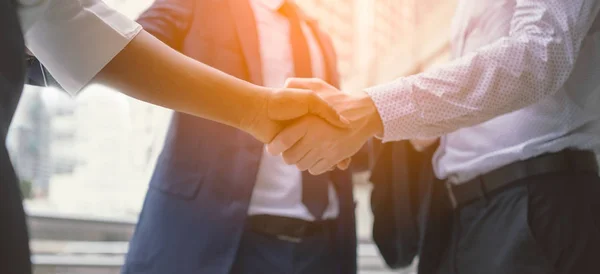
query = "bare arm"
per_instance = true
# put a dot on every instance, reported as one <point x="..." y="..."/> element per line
<point x="533" y="62"/>
<point x="151" y="71"/>
<point x="87" y="41"/>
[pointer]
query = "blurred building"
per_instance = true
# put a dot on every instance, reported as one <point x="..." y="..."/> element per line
<point x="90" y="154"/>
<point x="380" y="40"/>
<point x="29" y="144"/>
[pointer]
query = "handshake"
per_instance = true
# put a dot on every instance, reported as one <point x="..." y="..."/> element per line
<point x="313" y="125"/>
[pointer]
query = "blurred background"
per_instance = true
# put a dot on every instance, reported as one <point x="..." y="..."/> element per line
<point x="85" y="162"/>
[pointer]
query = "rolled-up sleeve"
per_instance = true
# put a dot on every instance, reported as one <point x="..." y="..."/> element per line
<point x="76" y="39"/>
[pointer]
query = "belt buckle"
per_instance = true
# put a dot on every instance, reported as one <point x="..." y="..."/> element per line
<point x="295" y="236"/>
<point x="451" y="195"/>
<point x="289" y="238"/>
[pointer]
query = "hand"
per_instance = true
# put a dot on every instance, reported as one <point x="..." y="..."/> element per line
<point x="308" y="145"/>
<point x="311" y="129"/>
<point x="291" y="103"/>
<point x="277" y="107"/>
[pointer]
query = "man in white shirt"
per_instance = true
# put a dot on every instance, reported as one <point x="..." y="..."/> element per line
<point x="266" y="216"/>
<point x="518" y="111"/>
<point x="80" y="41"/>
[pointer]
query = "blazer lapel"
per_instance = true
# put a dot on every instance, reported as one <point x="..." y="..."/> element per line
<point x="248" y="35"/>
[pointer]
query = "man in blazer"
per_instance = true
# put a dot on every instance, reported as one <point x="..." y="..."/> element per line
<point x="217" y="203"/>
<point x="58" y="40"/>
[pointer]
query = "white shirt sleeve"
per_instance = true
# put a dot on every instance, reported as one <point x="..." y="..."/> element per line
<point x="533" y="62"/>
<point x="75" y="39"/>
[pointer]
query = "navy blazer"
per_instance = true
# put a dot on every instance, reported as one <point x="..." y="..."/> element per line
<point x="197" y="201"/>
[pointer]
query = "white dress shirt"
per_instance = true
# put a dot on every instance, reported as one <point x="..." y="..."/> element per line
<point x="74" y="39"/>
<point x="278" y="189"/>
<point x="525" y="82"/>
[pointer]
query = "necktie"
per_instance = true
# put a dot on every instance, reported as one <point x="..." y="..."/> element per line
<point x="314" y="188"/>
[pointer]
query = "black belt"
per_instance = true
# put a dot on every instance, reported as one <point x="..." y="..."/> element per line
<point x="484" y="185"/>
<point x="288" y="229"/>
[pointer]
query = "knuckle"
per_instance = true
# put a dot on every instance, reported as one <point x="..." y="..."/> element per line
<point x="316" y="170"/>
<point x="302" y="166"/>
<point x="291" y="82"/>
<point x="287" y="140"/>
<point x="288" y="82"/>
<point x="305" y="164"/>
<point x="316" y="81"/>
<point x="288" y="159"/>
<point x="321" y="84"/>
<point x="291" y="156"/>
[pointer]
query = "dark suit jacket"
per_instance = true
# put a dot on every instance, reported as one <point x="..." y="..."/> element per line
<point x="198" y="198"/>
<point x="411" y="209"/>
<point x="14" y="248"/>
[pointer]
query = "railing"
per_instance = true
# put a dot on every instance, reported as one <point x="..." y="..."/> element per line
<point x="62" y="227"/>
<point x="52" y="257"/>
<point x="76" y="245"/>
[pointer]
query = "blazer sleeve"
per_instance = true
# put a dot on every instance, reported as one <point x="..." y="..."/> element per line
<point x="169" y="21"/>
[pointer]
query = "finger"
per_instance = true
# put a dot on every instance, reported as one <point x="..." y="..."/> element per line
<point x="313" y="84"/>
<point x="287" y="138"/>
<point x="298" y="151"/>
<point x="319" y="106"/>
<point x="316" y="104"/>
<point x="343" y="165"/>
<point x="318" y="86"/>
<point x="309" y="160"/>
<point x="288" y="104"/>
<point x="321" y="167"/>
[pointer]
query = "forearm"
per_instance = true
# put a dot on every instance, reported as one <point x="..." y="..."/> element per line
<point x="152" y="72"/>
<point x="86" y="41"/>
<point x="532" y="63"/>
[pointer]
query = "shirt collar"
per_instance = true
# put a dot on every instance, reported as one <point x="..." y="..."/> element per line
<point x="275" y="5"/>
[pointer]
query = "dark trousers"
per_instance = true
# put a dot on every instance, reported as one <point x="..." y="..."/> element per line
<point x="265" y="254"/>
<point x="540" y="225"/>
<point x="14" y="247"/>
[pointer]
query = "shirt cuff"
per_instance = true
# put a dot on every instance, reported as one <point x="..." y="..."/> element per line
<point x="396" y="109"/>
<point x="76" y="39"/>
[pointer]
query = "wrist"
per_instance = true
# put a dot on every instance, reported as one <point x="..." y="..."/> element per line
<point x="371" y="122"/>
<point x="255" y="118"/>
<point x="255" y="104"/>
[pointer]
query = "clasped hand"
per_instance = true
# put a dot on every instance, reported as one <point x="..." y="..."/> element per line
<point x="334" y="129"/>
